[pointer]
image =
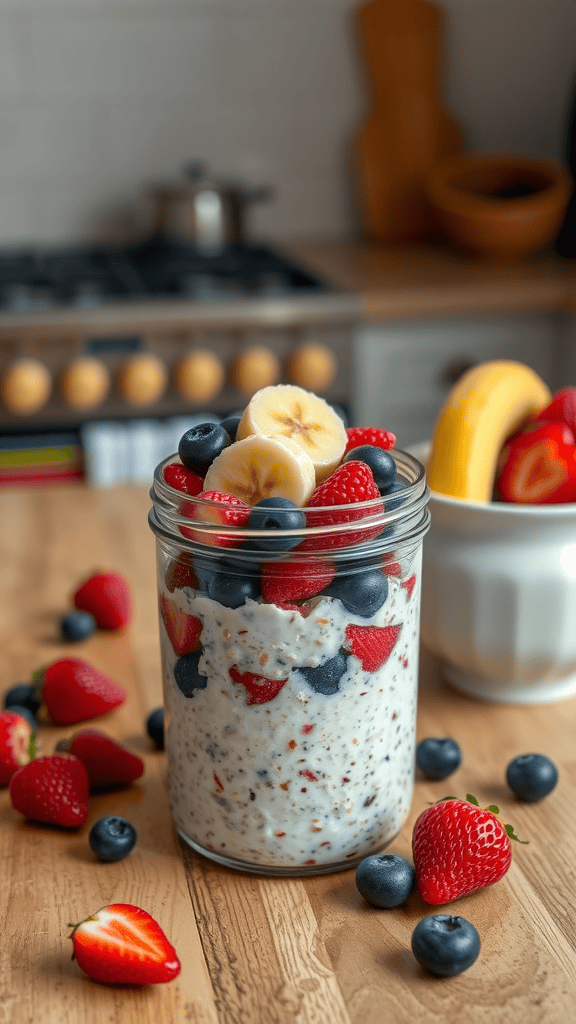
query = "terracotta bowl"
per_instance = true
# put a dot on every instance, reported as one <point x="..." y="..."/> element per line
<point x="499" y="205"/>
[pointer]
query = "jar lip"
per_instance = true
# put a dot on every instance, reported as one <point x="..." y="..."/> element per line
<point x="166" y="520"/>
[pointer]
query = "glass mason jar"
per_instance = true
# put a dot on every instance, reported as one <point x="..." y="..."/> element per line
<point x="290" y="677"/>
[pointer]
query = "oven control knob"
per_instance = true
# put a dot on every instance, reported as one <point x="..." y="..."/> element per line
<point x="253" y="368"/>
<point x="142" y="379"/>
<point x="312" y="366"/>
<point x="26" y="385"/>
<point x="199" y="376"/>
<point x="84" y="383"/>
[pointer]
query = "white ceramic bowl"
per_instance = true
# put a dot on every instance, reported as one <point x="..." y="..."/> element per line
<point x="499" y="597"/>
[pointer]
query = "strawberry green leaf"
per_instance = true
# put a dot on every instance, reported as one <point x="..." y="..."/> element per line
<point x="493" y="808"/>
<point x="32" y="748"/>
<point x="509" y="829"/>
<point x="472" y="799"/>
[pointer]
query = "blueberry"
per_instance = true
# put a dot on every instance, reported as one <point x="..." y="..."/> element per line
<point x="231" y="423"/>
<point x="531" y="776"/>
<point x="187" y="676"/>
<point x="200" y="445"/>
<point x="326" y="678"/>
<point x="155" y="727"/>
<point x="23" y="694"/>
<point x="436" y="758"/>
<point x="276" y="514"/>
<point x="78" y="625"/>
<point x="26" y="713"/>
<point x="112" y="838"/>
<point x="361" y="593"/>
<point x="445" y="945"/>
<point x="392" y="503"/>
<point x="232" y="590"/>
<point x="379" y="461"/>
<point x="385" y="880"/>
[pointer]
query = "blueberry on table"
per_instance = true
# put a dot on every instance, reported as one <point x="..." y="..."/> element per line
<point x="531" y="776"/>
<point x="200" y="445"/>
<point x="445" y="945"/>
<point x="385" y="880"/>
<point x="326" y="678"/>
<point x="155" y="727"/>
<point x="112" y="838"/>
<point x="379" y="461"/>
<point x="231" y="423"/>
<point x="438" y="758"/>
<point x="361" y="593"/>
<point x="78" y="625"/>
<point x="273" y="514"/>
<point x="187" y="676"/>
<point x="25" y="712"/>
<point x="23" y="694"/>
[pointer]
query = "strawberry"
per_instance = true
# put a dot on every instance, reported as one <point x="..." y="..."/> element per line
<point x="219" y="509"/>
<point x="285" y="583"/>
<point x="372" y="645"/>
<point x="16" y="744"/>
<point x="562" y="408"/>
<point x="52" y="789"/>
<point x="184" y="630"/>
<point x="408" y="585"/>
<point x="459" y="847"/>
<point x="107" y="762"/>
<point x="180" y="573"/>
<point x="73" y="691"/>
<point x="260" y="690"/>
<point x="183" y="479"/>
<point x="351" y="483"/>
<point x="537" y="465"/>
<point x="123" y="945"/>
<point x="106" y="596"/>
<point x="358" y="436"/>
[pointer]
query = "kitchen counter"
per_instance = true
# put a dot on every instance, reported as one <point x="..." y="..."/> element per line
<point x="257" y="950"/>
<point x="405" y="282"/>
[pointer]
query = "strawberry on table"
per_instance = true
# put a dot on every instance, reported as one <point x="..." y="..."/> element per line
<point x="123" y="945"/>
<point x="184" y="630"/>
<point x="106" y="595"/>
<point x="217" y="508"/>
<point x="52" y="789"/>
<point x="285" y="583"/>
<point x="459" y="847"/>
<point x="372" y="645"/>
<point x="351" y="483"/>
<point x="16" y="744"/>
<point x="107" y="762"/>
<point x="374" y="436"/>
<point x="183" y="479"/>
<point x="74" y="691"/>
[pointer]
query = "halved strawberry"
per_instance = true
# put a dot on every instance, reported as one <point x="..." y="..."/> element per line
<point x="107" y="762"/>
<point x="219" y="509"/>
<point x="52" y="789"/>
<point x="73" y="691"/>
<point x="183" y="479"/>
<point x="373" y="436"/>
<point x="351" y="483"/>
<point x="538" y="465"/>
<point x="408" y="585"/>
<point x="372" y="645"/>
<point x="285" y="583"/>
<point x="180" y="573"/>
<point x="106" y="595"/>
<point x="123" y="945"/>
<point x="562" y="408"/>
<point x="260" y="690"/>
<point x="16" y="744"/>
<point x="184" y="630"/>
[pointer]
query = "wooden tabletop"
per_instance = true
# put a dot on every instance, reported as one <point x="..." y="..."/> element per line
<point x="257" y="950"/>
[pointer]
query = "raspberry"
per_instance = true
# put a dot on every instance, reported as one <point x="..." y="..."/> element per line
<point x="284" y="583"/>
<point x="182" y="479"/>
<point x="218" y="508"/>
<point x="358" y="436"/>
<point x="351" y="483"/>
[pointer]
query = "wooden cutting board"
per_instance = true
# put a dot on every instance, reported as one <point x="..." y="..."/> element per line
<point x="406" y="130"/>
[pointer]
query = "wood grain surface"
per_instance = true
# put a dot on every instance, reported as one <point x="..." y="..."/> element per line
<point x="257" y="950"/>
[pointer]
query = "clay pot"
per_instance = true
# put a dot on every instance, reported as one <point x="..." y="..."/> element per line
<point x="499" y="205"/>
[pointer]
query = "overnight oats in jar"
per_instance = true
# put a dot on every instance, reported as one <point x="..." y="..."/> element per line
<point x="289" y="598"/>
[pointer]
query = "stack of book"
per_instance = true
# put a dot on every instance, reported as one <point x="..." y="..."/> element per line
<point x="31" y="460"/>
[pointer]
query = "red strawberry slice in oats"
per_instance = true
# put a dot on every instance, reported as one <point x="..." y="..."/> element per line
<point x="372" y="645"/>
<point x="284" y="583"/>
<point x="180" y="573"/>
<point x="260" y="690"/>
<point x="184" y="630"/>
<point x="409" y="585"/>
<point x="392" y="568"/>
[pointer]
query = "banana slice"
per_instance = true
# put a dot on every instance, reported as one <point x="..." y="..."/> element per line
<point x="486" y="405"/>
<point x="287" y="411"/>
<point x="259" y="467"/>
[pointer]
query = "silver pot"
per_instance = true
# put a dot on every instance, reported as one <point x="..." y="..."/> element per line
<point x="204" y="212"/>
